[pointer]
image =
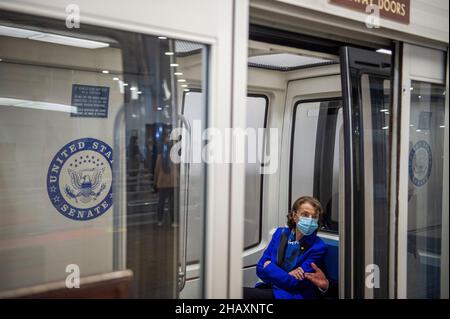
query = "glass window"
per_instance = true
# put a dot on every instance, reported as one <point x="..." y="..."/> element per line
<point x="71" y="101"/>
<point x="256" y="120"/>
<point x="316" y="154"/>
<point x="426" y="151"/>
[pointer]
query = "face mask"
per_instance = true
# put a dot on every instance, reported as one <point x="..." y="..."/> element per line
<point x="307" y="225"/>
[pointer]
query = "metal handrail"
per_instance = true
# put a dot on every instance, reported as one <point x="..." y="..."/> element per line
<point x="182" y="270"/>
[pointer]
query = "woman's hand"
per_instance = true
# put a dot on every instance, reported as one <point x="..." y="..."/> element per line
<point x="266" y="263"/>
<point x="318" y="278"/>
<point x="298" y="273"/>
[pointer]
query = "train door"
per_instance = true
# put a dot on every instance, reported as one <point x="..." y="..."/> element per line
<point x="111" y="107"/>
<point x="423" y="181"/>
<point x="366" y="90"/>
<point x="74" y="98"/>
<point x="339" y="153"/>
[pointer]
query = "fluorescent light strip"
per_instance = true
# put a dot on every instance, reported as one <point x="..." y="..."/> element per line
<point x="38" y="105"/>
<point x="51" y="38"/>
<point x="75" y="42"/>
<point x="17" y="33"/>
<point x="385" y="51"/>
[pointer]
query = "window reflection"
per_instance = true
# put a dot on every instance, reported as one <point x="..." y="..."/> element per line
<point x="426" y="148"/>
<point x="124" y="90"/>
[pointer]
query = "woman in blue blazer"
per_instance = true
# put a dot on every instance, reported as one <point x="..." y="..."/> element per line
<point x="289" y="255"/>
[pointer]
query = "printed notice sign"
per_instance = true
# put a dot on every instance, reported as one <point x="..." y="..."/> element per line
<point x="395" y="10"/>
<point x="90" y="101"/>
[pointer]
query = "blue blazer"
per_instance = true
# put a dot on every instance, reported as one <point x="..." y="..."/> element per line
<point x="284" y="285"/>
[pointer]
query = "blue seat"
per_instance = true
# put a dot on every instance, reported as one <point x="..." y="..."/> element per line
<point x="331" y="262"/>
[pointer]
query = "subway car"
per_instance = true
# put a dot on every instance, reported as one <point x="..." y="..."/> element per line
<point x="149" y="149"/>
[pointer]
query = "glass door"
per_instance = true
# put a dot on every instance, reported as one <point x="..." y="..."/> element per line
<point x="160" y="175"/>
<point x="366" y="91"/>
<point x="423" y="208"/>
<point x="92" y="172"/>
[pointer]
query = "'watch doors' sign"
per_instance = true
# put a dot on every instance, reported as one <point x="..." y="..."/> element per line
<point x="396" y="10"/>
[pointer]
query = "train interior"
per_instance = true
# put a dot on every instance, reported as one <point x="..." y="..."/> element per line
<point x="156" y="84"/>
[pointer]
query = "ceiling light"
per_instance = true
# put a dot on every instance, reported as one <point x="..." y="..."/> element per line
<point x="139" y="92"/>
<point x="116" y="79"/>
<point x="105" y="71"/>
<point x="162" y="38"/>
<point x="284" y="60"/>
<point x="181" y="80"/>
<point x="174" y="64"/>
<point x="51" y="38"/>
<point x="125" y="84"/>
<point x="70" y="41"/>
<point x="168" y="53"/>
<point x="184" y="85"/>
<point x="37" y="105"/>
<point x="134" y="95"/>
<point x="121" y="90"/>
<point x="17" y="33"/>
<point x="384" y="51"/>
<point x="178" y="73"/>
<point x="186" y="90"/>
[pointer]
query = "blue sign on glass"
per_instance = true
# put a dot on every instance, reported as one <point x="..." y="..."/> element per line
<point x="90" y="101"/>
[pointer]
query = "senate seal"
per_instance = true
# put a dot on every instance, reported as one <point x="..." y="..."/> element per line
<point x="79" y="179"/>
<point x="420" y="161"/>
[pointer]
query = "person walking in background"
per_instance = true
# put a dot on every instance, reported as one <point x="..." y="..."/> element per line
<point x="134" y="160"/>
<point x="166" y="180"/>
